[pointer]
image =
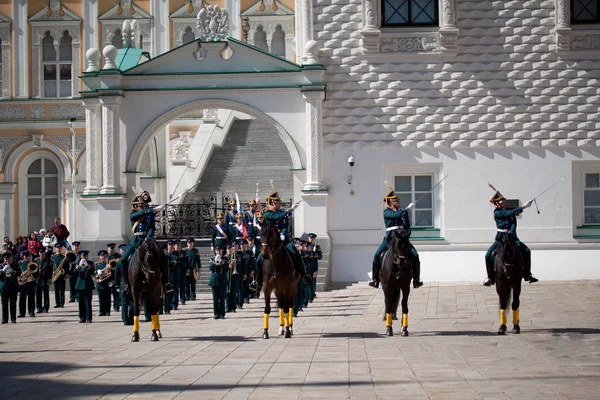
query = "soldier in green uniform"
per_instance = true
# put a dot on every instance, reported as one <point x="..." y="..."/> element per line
<point x="126" y="298"/>
<point x="250" y="269"/>
<point x="308" y="263"/>
<point x="220" y="233"/>
<point x="27" y="297"/>
<point x="230" y="216"/>
<point x="317" y="255"/>
<point x="42" y="295"/>
<point x="233" y="278"/>
<point x="182" y="265"/>
<point x="256" y="280"/>
<point x="506" y="222"/>
<point x="103" y="288"/>
<point x="218" y="267"/>
<point x="275" y="215"/>
<point x="257" y="249"/>
<point x="59" y="261"/>
<point x="85" y="286"/>
<point x="395" y="218"/>
<point x="242" y="270"/>
<point x="299" y="298"/>
<point x="9" y="287"/>
<point x="113" y="255"/>
<point x="167" y="299"/>
<point x="72" y="274"/>
<point x="193" y="264"/>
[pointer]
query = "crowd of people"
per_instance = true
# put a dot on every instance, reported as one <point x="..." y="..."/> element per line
<point x="44" y="237"/>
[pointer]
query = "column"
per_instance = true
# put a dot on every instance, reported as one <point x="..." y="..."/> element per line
<point x="160" y="34"/>
<point x="307" y="24"/>
<point x="93" y="146"/>
<point x="314" y="138"/>
<point x="563" y="25"/>
<point x="20" y="48"/>
<point x="110" y="140"/>
<point x="448" y="30"/>
<point x="233" y="8"/>
<point x="90" y="25"/>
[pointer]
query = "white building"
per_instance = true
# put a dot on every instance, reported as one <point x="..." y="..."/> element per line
<point x="415" y="90"/>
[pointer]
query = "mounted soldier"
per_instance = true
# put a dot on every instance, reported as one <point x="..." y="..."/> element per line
<point x="506" y="222"/>
<point x="280" y="219"/>
<point x="394" y="218"/>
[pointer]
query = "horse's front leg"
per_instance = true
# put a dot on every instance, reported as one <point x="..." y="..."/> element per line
<point x="136" y="318"/>
<point x="267" y="295"/>
<point x="154" y="315"/>
<point x="405" y="293"/>
<point x="515" y="307"/>
<point x="503" y="290"/>
<point x="390" y="301"/>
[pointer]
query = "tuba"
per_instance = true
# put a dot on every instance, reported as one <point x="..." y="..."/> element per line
<point x="29" y="275"/>
<point x="104" y="273"/>
<point x="70" y="257"/>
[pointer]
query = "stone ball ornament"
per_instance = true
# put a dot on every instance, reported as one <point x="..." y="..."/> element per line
<point x="93" y="58"/>
<point x="110" y="54"/>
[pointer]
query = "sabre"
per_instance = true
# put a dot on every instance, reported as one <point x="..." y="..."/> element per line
<point x="316" y="191"/>
<point x="431" y="190"/>
<point x="172" y="200"/>
<point x="549" y="187"/>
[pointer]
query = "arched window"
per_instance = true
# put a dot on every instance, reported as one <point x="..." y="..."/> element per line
<point x="117" y="39"/>
<point x="278" y="42"/>
<point x="260" y="38"/>
<point x="189" y="35"/>
<point x="57" y="70"/>
<point x="42" y="194"/>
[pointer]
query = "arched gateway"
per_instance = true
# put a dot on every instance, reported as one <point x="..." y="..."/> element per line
<point x="127" y="106"/>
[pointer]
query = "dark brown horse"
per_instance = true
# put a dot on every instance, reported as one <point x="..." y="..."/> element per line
<point x="278" y="275"/>
<point x="396" y="274"/>
<point x="145" y="277"/>
<point x="508" y="265"/>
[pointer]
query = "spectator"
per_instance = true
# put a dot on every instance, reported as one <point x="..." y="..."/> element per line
<point x="9" y="245"/>
<point x="49" y="240"/>
<point x="61" y="232"/>
<point x="42" y="235"/>
<point x="34" y="244"/>
<point x="21" y="245"/>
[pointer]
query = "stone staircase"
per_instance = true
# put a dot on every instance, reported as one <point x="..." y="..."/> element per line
<point x="252" y="152"/>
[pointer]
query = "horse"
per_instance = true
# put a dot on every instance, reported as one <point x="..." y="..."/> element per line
<point x="508" y="265"/>
<point x="396" y="275"/>
<point x="145" y="277"/>
<point x="279" y="275"/>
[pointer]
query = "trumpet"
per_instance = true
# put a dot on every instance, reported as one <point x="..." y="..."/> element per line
<point x="30" y="274"/>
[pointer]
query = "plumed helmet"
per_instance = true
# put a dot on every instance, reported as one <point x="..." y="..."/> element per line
<point x="273" y="197"/>
<point x="390" y="196"/>
<point x="497" y="197"/>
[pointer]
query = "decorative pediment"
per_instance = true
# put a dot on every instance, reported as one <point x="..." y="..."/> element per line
<point x="184" y="11"/>
<point x="205" y="58"/>
<point x="267" y="7"/>
<point x="4" y="29"/>
<point x="55" y="11"/>
<point x="4" y="19"/>
<point x="125" y="9"/>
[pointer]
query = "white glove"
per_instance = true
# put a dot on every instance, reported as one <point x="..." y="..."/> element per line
<point x="159" y="208"/>
<point x="528" y="204"/>
<point x="282" y="237"/>
<point x="411" y="206"/>
<point x="294" y="206"/>
<point x="212" y="249"/>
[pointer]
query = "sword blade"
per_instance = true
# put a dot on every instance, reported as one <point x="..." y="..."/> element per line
<point x="431" y="190"/>
<point x="172" y="200"/>
<point x="548" y="188"/>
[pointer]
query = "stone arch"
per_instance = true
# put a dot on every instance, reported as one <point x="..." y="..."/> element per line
<point x="162" y="121"/>
<point x="18" y="153"/>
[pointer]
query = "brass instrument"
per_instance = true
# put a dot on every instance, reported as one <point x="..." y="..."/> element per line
<point x="29" y="275"/>
<point x="71" y="257"/>
<point x="229" y="275"/>
<point x="104" y="273"/>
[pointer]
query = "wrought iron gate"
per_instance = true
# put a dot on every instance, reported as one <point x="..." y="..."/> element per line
<point x="196" y="220"/>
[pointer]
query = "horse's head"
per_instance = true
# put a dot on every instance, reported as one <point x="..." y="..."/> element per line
<point x="400" y="246"/>
<point x="270" y="239"/>
<point x="508" y="255"/>
<point x="150" y="257"/>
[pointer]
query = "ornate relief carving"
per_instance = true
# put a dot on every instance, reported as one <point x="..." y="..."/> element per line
<point x="563" y="13"/>
<point x="448" y="14"/>
<point x="586" y="42"/>
<point x="158" y="123"/>
<point x="409" y="44"/>
<point x="563" y="29"/>
<point x="110" y="136"/>
<point x="113" y="21"/>
<point x="68" y="111"/>
<point x="213" y="23"/>
<point x="180" y="151"/>
<point x="12" y="112"/>
<point x="94" y="148"/>
<point x="146" y="165"/>
<point x="67" y="141"/>
<point x="5" y="61"/>
<point x="314" y="125"/>
<point x="6" y="144"/>
<point x="38" y="112"/>
<point x="209" y="113"/>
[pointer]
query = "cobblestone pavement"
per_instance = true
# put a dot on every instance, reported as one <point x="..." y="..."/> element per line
<point x="339" y="350"/>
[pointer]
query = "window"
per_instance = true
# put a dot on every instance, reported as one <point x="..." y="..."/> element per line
<point x="585" y="11"/>
<point x="117" y="39"/>
<point x="411" y="188"/>
<point x="410" y="13"/>
<point x="42" y="194"/>
<point x="591" y="199"/>
<point x="57" y="67"/>
<point x="189" y="35"/>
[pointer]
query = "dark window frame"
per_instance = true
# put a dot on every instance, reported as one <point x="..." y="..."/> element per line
<point x="574" y="21"/>
<point x="436" y="21"/>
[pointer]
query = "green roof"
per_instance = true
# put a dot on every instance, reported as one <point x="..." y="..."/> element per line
<point x="128" y="58"/>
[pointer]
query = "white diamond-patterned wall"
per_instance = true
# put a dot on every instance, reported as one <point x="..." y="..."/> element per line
<point x="506" y="87"/>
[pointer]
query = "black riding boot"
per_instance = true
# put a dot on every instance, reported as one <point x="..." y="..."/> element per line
<point x="417" y="283"/>
<point x="374" y="276"/>
<point x="490" y="274"/>
<point x="527" y="275"/>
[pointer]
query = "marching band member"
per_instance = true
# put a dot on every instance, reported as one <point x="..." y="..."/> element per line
<point x="85" y="286"/>
<point x="27" y="297"/>
<point x="250" y="270"/>
<point x="59" y="285"/>
<point x="218" y="268"/>
<point x="103" y="288"/>
<point x="42" y="295"/>
<point x="113" y="255"/>
<point x="317" y="255"/>
<point x="232" y="282"/>
<point x="242" y="270"/>
<point x="72" y="274"/>
<point x="193" y="263"/>
<point x="9" y="287"/>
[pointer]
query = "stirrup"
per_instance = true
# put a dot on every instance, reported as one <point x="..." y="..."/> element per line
<point x="488" y="282"/>
<point x="417" y="283"/>
<point x="532" y="279"/>
<point x="169" y="288"/>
